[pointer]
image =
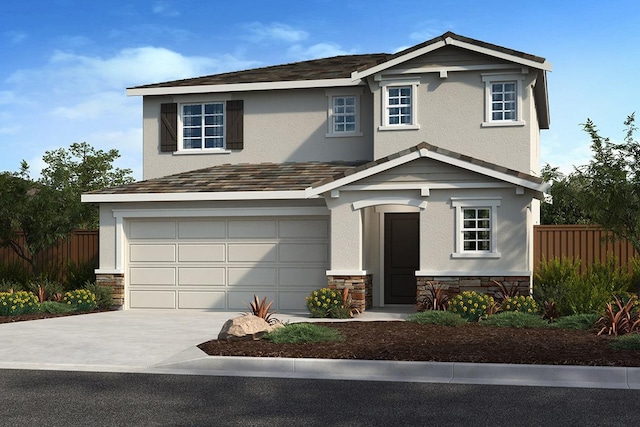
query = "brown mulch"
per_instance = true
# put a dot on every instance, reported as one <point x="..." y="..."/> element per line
<point x="395" y="340"/>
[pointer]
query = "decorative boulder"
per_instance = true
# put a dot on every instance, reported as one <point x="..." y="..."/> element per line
<point x="246" y="327"/>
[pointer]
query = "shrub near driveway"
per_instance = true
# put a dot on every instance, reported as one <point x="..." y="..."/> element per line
<point x="295" y="333"/>
<point x="20" y="302"/>
<point x="436" y="317"/>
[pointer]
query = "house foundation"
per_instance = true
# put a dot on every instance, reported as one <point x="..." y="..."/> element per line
<point x="360" y="289"/>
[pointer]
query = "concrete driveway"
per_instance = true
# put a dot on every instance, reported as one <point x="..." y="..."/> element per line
<point x="121" y="341"/>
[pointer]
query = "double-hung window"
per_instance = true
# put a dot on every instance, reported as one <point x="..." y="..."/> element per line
<point x="203" y="126"/>
<point x="476" y="227"/>
<point x="503" y="100"/>
<point x="399" y="104"/>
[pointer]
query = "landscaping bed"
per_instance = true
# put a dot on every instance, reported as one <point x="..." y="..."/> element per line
<point x="38" y="316"/>
<point x="471" y="342"/>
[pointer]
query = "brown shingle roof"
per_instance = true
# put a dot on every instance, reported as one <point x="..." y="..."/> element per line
<point x="241" y="177"/>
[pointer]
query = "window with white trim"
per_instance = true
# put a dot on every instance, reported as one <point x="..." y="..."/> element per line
<point x="399" y="105"/>
<point x="476" y="227"/>
<point x="343" y="117"/>
<point x="202" y="126"/>
<point x="503" y="100"/>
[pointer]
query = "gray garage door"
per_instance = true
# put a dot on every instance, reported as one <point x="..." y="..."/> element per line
<point x="220" y="263"/>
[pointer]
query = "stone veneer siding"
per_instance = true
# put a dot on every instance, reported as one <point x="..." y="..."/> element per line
<point x="360" y="288"/>
<point x="116" y="282"/>
<point x="480" y="284"/>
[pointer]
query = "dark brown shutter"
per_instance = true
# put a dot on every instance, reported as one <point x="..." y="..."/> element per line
<point x="235" y="123"/>
<point x="168" y="128"/>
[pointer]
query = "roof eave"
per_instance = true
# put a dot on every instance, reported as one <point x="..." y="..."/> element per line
<point x="193" y="197"/>
<point x="243" y="87"/>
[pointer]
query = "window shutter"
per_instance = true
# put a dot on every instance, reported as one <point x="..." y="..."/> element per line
<point x="168" y="128"/>
<point x="235" y="123"/>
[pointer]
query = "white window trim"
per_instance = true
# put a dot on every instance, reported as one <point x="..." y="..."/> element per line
<point x="491" y="203"/>
<point x="385" y="85"/>
<point x="336" y="93"/>
<point x="202" y="150"/>
<point x="489" y="78"/>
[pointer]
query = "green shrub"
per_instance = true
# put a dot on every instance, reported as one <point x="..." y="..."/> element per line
<point x="79" y="274"/>
<point x="55" y="307"/>
<point x="520" y="303"/>
<point x="515" y="319"/>
<point x="80" y="299"/>
<point x="16" y="272"/>
<point x="104" y="294"/>
<point x="326" y="302"/>
<point x="552" y="275"/>
<point x="295" y="333"/>
<point x="583" y="321"/>
<point x="436" y="317"/>
<point x="20" y="302"/>
<point x="45" y="288"/>
<point x="7" y="285"/>
<point x="471" y="305"/>
<point x="626" y="342"/>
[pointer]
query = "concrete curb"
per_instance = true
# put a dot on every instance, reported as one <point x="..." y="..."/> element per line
<point x="429" y="372"/>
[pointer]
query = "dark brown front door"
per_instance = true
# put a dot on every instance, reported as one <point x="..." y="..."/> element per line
<point x="401" y="257"/>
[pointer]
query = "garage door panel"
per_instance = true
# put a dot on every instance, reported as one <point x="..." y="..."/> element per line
<point x="252" y="276"/>
<point x="292" y="300"/>
<point x="152" y="230"/>
<point x="201" y="253"/>
<point x="240" y="300"/>
<point x="152" y="276"/>
<point x="152" y="253"/>
<point x="202" y="229"/>
<point x="201" y="276"/>
<point x="304" y="252"/>
<point x="252" y="229"/>
<point x="261" y="252"/>
<point x="303" y="277"/>
<point x="202" y="300"/>
<point x="152" y="299"/>
<point x="297" y="229"/>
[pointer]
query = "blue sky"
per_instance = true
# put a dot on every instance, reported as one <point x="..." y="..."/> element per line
<point x="65" y="64"/>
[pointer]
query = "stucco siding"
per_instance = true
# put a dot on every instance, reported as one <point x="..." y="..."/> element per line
<point x="279" y="126"/>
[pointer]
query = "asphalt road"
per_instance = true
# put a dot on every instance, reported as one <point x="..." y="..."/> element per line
<point x="54" y="398"/>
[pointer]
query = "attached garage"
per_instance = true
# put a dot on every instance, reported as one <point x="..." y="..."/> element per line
<point x="220" y="263"/>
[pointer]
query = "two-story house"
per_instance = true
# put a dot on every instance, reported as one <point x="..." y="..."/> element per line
<point x="378" y="172"/>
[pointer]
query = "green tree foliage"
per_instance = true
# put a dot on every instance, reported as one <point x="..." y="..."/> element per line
<point x="610" y="184"/>
<point x="35" y="214"/>
<point x="80" y="169"/>
<point x="564" y="208"/>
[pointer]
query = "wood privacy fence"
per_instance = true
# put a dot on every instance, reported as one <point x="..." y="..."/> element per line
<point x="587" y="243"/>
<point x="80" y="248"/>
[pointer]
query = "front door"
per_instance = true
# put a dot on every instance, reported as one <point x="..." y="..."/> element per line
<point x="401" y="257"/>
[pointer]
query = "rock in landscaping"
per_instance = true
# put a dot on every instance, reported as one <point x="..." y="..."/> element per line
<point x="247" y="327"/>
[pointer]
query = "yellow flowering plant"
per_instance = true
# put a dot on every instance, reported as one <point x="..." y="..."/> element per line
<point x="20" y="302"/>
<point x="520" y="304"/>
<point x="326" y="302"/>
<point x="80" y="299"/>
<point x="471" y="305"/>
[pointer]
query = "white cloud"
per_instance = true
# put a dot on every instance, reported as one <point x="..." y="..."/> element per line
<point x="318" y="50"/>
<point x="275" y="32"/>
<point x="164" y="8"/>
<point x="16" y="36"/>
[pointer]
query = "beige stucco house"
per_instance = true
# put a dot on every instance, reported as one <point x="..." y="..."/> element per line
<point x="377" y="172"/>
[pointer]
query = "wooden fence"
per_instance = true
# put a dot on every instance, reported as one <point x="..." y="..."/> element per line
<point x="80" y="248"/>
<point x="588" y="243"/>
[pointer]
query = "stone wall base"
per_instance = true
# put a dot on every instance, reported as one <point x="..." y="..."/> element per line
<point x="116" y="282"/>
<point x="360" y="289"/>
<point x="480" y="284"/>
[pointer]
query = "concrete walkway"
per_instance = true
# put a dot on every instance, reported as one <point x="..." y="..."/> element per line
<point x="165" y="342"/>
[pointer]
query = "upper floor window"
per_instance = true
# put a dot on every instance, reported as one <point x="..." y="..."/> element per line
<point x="503" y="100"/>
<point x="476" y="227"/>
<point x="399" y="104"/>
<point x="203" y="126"/>
<point x="344" y="112"/>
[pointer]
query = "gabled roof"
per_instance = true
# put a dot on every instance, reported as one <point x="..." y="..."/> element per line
<point x="270" y="181"/>
<point x="345" y="70"/>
